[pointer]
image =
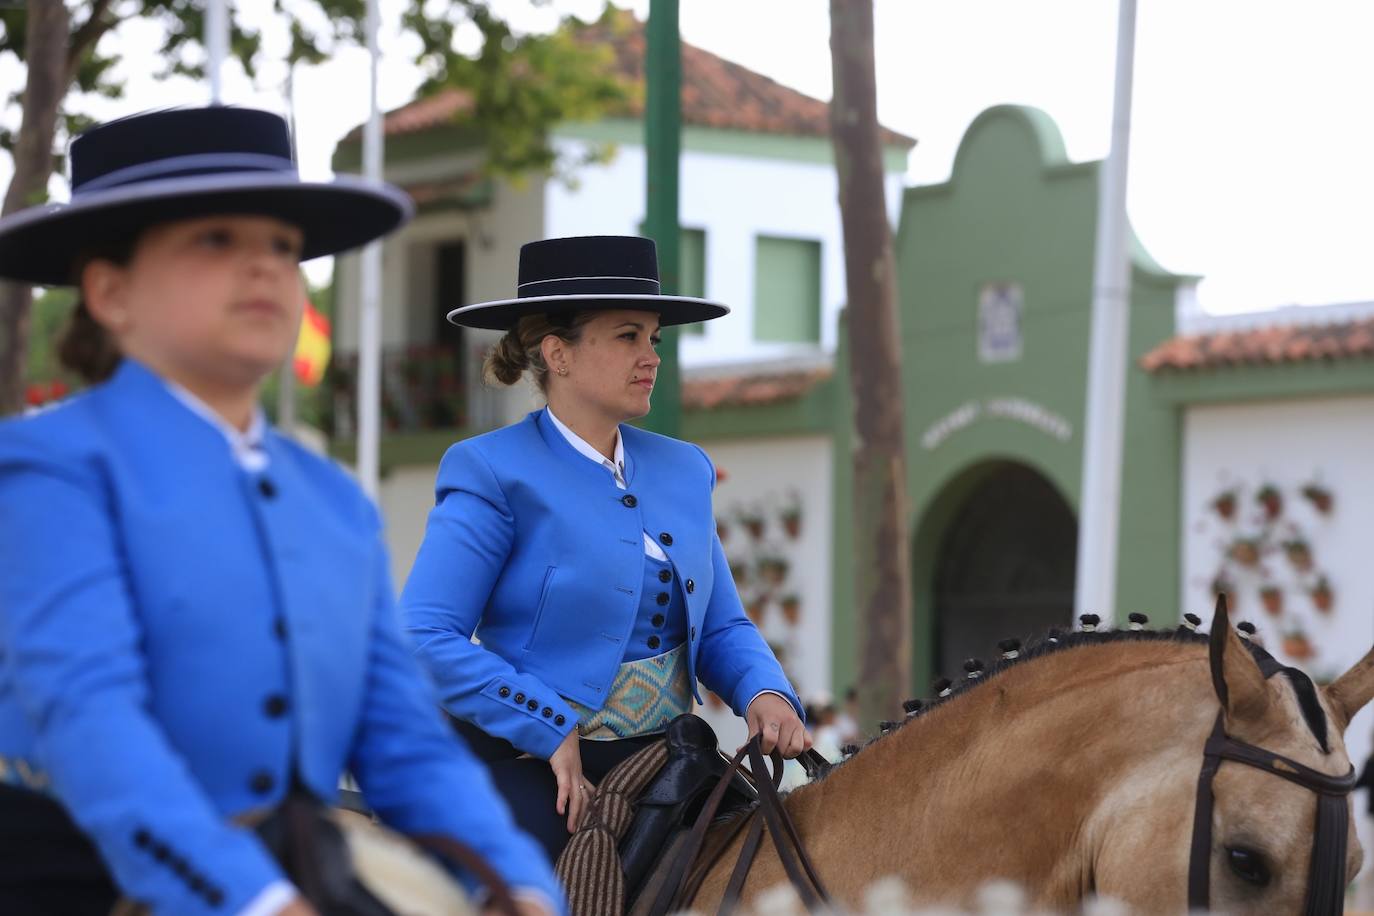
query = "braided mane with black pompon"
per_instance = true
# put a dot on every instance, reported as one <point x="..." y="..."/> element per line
<point x="1014" y="654"/>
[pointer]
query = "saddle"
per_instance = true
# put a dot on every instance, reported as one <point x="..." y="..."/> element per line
<point x="635" y="851"/>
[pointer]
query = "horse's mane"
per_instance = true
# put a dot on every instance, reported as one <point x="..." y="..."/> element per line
<point x="1013" y="654"/>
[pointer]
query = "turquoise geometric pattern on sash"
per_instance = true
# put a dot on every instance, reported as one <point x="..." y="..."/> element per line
<point x="644" y="697"/>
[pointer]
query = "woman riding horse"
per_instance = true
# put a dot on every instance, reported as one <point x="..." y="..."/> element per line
<point x="196" y="621"/>
<point x="581" y="550"/>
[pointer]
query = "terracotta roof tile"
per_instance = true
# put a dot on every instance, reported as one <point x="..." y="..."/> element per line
<point x="750" y="390"/>
<point x="715" y="93"/>
<point x="1261" y="346"/>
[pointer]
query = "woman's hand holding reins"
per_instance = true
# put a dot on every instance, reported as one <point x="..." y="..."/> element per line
<point x="574" y="791"/>
<point x="297" y="907"/>
<point x="774" y="718"/>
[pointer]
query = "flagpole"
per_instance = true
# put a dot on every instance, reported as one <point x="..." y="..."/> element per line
<point x="1100" y="503"/>
<point x="286" y="377"/>
<point x="370" y="322"/>
<point x="216" y="45"/>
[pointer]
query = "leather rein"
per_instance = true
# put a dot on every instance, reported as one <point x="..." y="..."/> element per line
<point x="1326" y="874"/>
<point x="683" y="880"/>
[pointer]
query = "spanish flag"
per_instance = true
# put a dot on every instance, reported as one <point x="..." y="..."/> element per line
<point x="312" y="347"/>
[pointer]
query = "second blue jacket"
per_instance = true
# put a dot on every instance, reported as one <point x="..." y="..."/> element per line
<point x="535" y="550"/>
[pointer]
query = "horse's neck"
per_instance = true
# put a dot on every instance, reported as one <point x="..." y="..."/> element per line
<point x="1001" y="781"/>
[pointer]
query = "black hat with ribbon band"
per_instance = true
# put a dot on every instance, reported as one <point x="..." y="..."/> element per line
<point x="587" y="272"/>
<point x="185" y="163"/>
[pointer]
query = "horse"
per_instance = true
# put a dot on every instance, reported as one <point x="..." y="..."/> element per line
<point x="1075" y="768"/>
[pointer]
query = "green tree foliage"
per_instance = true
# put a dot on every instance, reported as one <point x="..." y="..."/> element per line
<point x="521" y="85"/>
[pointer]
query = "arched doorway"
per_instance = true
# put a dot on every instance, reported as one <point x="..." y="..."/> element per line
<point x="1004" y="567"/>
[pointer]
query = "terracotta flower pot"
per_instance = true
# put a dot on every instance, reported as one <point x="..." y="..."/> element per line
<point x="756" y="608"/>
<point x="754" y="526"/>
<point x="722" y="531"/>
<point x="1245" y="551"/>
<point x="1225" y="505"/>
<point x="1272" y="599"/>
<point x="1299" y="554"/>
<point x="1320" y="497"/>
<point x="791" y="523"/>
<point x="1271" y="500"/>
<point x="1297" y="647"/>
<point x="791" y="609"/>
<point x="1322" y="597"/>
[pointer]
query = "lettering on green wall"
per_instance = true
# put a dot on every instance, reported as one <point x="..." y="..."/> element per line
<point x="1018" y="410"/>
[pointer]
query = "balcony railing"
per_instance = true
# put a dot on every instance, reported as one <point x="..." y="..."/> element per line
<point x="423" y="388"/>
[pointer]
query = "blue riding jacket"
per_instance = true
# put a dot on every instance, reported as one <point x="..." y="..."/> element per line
<point x="533" y="549"/>
<point x="181" y="639"/>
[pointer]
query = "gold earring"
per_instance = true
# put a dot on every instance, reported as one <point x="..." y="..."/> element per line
<point x="562" y="370"/>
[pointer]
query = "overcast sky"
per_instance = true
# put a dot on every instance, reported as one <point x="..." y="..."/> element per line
<point x="1252" y="158"/>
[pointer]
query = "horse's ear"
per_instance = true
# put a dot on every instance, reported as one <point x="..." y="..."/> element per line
<point x="1349" y="693"/>
<point x="1236" y="677"/>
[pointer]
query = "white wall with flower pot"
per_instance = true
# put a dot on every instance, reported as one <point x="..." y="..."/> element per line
<point x="1314" y="521"/>
<point x="773" y="510"/>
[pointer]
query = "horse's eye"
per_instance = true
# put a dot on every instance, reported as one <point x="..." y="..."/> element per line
<point x="1248" y="865"/>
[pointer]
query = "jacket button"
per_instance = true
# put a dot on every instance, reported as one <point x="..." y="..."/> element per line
<point x="665" y="576"/>
<point x="519" y="698"/>
<point x="658" y="620"/>
<point x="161" y="852"/>
<point x="267" y="488"/>
<point x="653" y="642"/>
<point x="142" y="838"/>
<point x="197" y="885"/>
<point x="559" y="719"/>
<point x="275" y="706"/>
<point x="629" y="500"/>
<point x="214" y="896"/>
<point x="546" y="712"/>
<point x="691" y="586"/>
<point x="279" y="627"/>
<point x="181" y="868"/>
<point x="504" y="692"/>
<point x="262" y="782"/>
<point x="663" y="598"/>
<point x="532" y="705"/>
<point x="666" y="538"/>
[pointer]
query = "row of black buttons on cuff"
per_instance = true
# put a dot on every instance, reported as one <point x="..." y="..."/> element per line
<point x="532" y="704"/>
<point x="164" y="854"/>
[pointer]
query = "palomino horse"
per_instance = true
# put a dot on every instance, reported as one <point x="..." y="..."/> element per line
<point x="1074" y="770"/>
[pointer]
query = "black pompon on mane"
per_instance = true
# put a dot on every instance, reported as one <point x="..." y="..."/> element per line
<point x="1057" y="641"/>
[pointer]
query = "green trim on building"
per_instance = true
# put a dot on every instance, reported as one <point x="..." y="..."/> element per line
<point x="726" y="142"/>
<point x="448" y="139"/>
<point x="1276" y="381"/>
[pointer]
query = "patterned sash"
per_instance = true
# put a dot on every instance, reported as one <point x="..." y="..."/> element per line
<point x="645" y="696"/>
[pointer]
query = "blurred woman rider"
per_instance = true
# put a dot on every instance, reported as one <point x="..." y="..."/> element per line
<point x="582" y="550"/>
<point x="195" y="614"/>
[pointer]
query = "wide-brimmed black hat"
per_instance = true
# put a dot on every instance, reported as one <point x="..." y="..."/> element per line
<point x="182" y="163"/>
<point x="587" y="272"/>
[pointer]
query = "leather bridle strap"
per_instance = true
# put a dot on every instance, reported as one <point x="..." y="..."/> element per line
<point x="1326" y="874"/>
<point x="671" y="893"/>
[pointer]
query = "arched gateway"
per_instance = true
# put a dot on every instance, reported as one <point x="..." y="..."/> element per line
<point x="1004" y="565"/>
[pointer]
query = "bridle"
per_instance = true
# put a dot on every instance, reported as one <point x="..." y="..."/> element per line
<point x="1326" y="874"/>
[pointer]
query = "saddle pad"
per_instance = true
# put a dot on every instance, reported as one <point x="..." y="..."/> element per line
<point x="644" y="697"/>
<point x="589" y="868"/>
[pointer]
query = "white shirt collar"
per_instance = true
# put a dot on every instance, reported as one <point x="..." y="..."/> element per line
<point x="617" y="467"/>
<point x="245" y="445"/>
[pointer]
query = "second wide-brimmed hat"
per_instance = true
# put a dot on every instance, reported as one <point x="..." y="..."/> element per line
<point x="587" y="272"/>
<point x="183" y="163"/>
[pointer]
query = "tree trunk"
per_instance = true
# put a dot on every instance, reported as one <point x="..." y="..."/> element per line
<point x="882" y="578"/>
<point x="46" y="52"/>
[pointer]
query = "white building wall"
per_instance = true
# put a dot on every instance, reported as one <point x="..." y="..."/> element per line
<point x="1288" y="444"/>
<point x="734" y="199"/>
<point x="763" y="477"/>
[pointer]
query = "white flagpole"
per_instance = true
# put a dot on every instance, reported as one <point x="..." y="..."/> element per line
<point x="370" y="313"/>
<point x="216" y="44"/>
<point x="1100" y="505"/>
<point x="286" y="377"/>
